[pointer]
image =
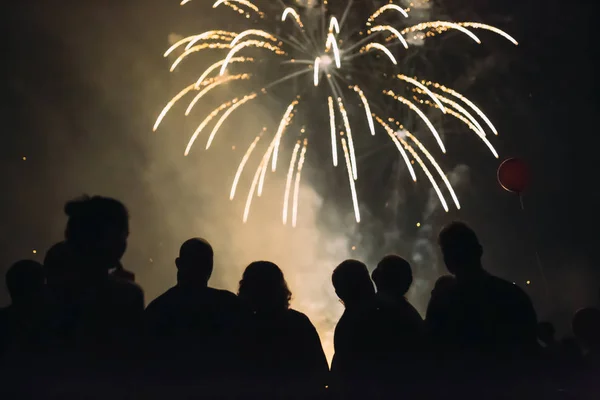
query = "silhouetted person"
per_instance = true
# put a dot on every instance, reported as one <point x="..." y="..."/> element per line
<point x="193" y="327"/>
<point x="23" y="324"/>
<point x="281" y="347"/>
<point x="355" y="334"/>
<point x="486" y="322"/>
<point x="586" y="327"/>
<point x="401" y="333"/>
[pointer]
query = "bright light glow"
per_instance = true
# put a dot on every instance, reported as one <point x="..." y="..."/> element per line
<point x="334" y="26"/>
<point x="332" y="43"/>
<point x="293" y="13"/>
<point x="334" y="153"/>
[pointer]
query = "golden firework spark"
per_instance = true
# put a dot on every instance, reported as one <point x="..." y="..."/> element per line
<point x="288" y="183"/>
<point x="351" y="179"/>
<point x="334" y="153"/>
<point x="238" y="174"/>
<point x="297" y="185"/>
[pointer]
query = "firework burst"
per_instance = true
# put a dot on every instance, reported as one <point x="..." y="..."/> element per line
<point x="323" y="56"/>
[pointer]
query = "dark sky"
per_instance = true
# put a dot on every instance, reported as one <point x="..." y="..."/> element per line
<point x="64" y="60"/>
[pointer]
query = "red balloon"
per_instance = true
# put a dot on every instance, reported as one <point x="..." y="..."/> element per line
<point x="513" y="175"/>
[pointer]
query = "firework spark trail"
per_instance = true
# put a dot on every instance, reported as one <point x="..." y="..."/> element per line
<point x="350" y="140"/>
<point x="206" y="35"/>
<point x="440" y="24"/>
<point x="195" y="49"/>
<point x="424" y="88"/>
<point x="252" y="190"/>
<point x="206" y="121"/>
<point x="288" y="183"/>
<point x="367" y="109"/>
<point x="332" y="43"/>
<point x="385" y="8"/>
<point x="435" y="165"/>
<point x="243" y="2"/>
<point x="394" y="138"/>
<point x="352" y="185"/>
<point x="264" y="167"/>
<point x="466" y="101"/>
<point x="476" y="25"/>
<point x="249" y="43"/>
<point x="297" y="186"/>
<point x="171" y="103"/>
<point x="237" y="105"/>
<point x="293" y="13"/>
<point x="316" y="68"/>
<point x="466" y="121"/>
<point x="427" y="172"/>
<point x="423" y="117"/>
<point x="334" y="26"/>
<point x="225" y="36"/>
<point x="241" y="167"/>
<point x="380" y="47"/>
<point x="253" y="32"/>
<point x="211" y="86"/>
<point x="461" y="110"/>
<point x="334" y="153"/>
<point x="217" y="65"/>
<point x="285" y="121"/>
<point x="392" y="30"/>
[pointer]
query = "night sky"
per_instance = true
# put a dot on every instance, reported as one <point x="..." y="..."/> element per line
<point x="84" y="80"/>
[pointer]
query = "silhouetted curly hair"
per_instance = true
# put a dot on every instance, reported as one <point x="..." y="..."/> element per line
<point x="263" y="287"/>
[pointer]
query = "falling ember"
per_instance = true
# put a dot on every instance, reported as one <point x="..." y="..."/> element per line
<point x="363" y="98"/>
<point x="426" y="170"/>
<point x="379" y="46"/>
<point x="288" y="183"/>
<point x="241" y="167"/>
<point x="352" y="185"/>
<point x="297" y="186"/>
<point x="211" y="86"/>
<point x="226" y="115"/>
<point x="248" y="43"/>
<point x="334" y="152"/>
<point x="195" y="49"/>
<point x="217" y="65"/>
<point x="420" y="114"/>
<point x="393" y="31"/>
<point x="423" y="88"/>
<point x="466" y="101"/>
<point x="285" y="121"/>
<point x="394" y="138"/>
<point x="436" y="166"/>
<point x="294" y="14"/>
<point x="350" y="141"/>
<point x="441" y="24"/>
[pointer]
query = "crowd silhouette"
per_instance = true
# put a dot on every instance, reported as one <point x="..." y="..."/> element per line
<point x="77" y="329"/>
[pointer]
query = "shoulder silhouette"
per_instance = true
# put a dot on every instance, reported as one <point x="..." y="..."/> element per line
<point x="282" y="349"/>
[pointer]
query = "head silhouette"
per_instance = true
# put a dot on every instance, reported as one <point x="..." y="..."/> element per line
<point x="461" y="250"/>
<point x="393" y="276"/>
<point x="59" y="265"/>
<point x="352" y="283"/>
<point x="263" y="287"/>
<point x="97" y="230"/>
<point x="586" y="327"/>
<point x="195" y="262"/>
<point x="25" y="281"/>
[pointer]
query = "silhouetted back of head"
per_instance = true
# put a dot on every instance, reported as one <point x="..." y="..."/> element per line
<point x="97" y="229"/>
<point x="59" y="264"/>
<point x="393" y="275"/>
<point x="263" y="287"/>
<point x="352" y="282"/>
<point x="586" y="326"/>
<point x="461" y="249"/>
<point x="25" y="281"/>
<point x="195" y="262"/>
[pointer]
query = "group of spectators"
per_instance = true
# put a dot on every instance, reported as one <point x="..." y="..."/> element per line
<point x="77" y="328"/>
